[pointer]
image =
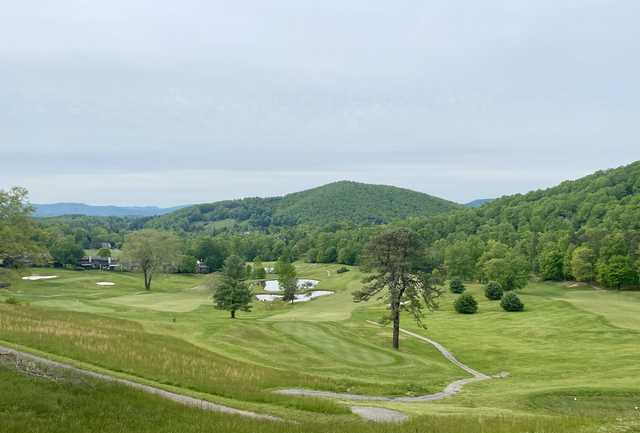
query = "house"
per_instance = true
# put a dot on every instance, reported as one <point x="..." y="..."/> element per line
<point x="201" y="267"/>
<point x="102" y="263"/>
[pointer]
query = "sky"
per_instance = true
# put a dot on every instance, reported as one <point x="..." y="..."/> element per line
<point x="141" y="102"/>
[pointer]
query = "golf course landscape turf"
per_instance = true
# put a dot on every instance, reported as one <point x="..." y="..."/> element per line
<point x="568" y="362"/>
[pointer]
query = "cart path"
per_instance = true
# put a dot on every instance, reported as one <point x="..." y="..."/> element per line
<point x="449" y="390"/>
<point x="20" y="358"/>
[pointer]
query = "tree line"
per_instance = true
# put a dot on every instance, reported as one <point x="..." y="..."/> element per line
<point x="584" y="230"/>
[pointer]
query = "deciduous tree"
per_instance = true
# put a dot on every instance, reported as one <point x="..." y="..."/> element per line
<point x="152" y="251"/>
<point x="18" y="231"/>
<point x="66" y="251"/>
<point x="582" y="264"/>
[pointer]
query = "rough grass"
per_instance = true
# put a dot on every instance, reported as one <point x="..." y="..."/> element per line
<point x="37" y="406"/>
<point x="123" y="346"/>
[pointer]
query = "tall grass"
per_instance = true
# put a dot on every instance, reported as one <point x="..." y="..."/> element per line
<point x="123" y="346"/>
<point x="37" y="406"/>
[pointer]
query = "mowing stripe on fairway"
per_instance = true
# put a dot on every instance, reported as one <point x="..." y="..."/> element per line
<point x="451" y="389"/>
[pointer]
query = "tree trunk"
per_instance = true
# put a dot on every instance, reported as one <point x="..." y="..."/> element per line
<point x="147" y="280"/>
<point x="396" y="326"/>
<point x="233" y="314"/>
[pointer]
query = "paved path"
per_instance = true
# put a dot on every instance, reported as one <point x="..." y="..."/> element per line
<point x="379" y="414"/>
<point x="449" y="390"/>
<point x="375" y="414"/>
<point x="22" y="357"/>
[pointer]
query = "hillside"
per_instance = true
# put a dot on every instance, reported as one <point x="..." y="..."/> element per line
<point x="340" y="202"/>
<point x="586" y="229"/>
<point x="59" y="209"/>
<point x="607" y="199"/>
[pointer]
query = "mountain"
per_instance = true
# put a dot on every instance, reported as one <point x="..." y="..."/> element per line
<point x="59" y="209"/>
<point x="339" y="202"/>
<point x="478" y="202"/>
<point x="603" y="202"/>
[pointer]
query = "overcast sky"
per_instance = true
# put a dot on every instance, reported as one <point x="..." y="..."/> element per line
<point x="145" y="102"/>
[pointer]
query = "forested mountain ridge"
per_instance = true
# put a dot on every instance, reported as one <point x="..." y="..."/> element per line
<point x="607" y="199"/>
<point x="335" y="203"/>
<point x="586" y="229"/>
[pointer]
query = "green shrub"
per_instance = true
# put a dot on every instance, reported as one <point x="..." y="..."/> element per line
<point x="511" y="302"/>
<point x="342" y="270"/>
<point x="12" y="301"/>
<point x="493" y="291"/>
<point x="456" y="285"/>
<point x="466" y="304"/>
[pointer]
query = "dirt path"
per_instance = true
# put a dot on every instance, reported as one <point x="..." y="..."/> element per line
<point x="24" y="360"/>
<point x="384" y="415"/>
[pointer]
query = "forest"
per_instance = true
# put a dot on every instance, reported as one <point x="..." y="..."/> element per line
<point x="587" y="230"/>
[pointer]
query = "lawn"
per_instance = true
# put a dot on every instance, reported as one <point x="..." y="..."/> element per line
<point x="571" y="355"/>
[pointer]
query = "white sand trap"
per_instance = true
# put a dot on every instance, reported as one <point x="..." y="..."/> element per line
<point x="268" y="298"/>
<point x="299" y="298"/>
<point x="39" y="277"/>
<point x="313" y="295"/>
<point x="274" y="286"/>
<point x="319" y="293"/>
<point x="105" y="283"/>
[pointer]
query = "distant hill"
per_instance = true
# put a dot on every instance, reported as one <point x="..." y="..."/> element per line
<point x="478" y="202"/>
<point x="59" y="209"/>
<point x="339" y="202"/>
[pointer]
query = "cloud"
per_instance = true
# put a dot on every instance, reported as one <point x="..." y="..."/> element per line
<point x="274" y="97"/>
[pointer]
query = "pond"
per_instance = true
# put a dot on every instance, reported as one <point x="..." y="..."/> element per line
<point x="303" y="297"/>
<point x="273" y="285"/>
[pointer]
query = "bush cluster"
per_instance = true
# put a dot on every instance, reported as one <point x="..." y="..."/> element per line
<point x="493" y="291"/>
<point x="342" y="270"/>
<point x="511" y="302"/>
<point x="466" y="304"/>
<point x="12" y="301"/>
<point x="456" y="285"/>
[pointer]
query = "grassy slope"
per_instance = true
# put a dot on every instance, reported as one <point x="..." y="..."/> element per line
<point x="38" y="406"/>
<point x="564" y="346"/>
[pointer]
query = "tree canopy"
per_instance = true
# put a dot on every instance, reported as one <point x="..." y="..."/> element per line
<point x="18" y="231"/>
<point x="151" y="251"/>
<point x="396" y="259"/>
<point x="232" y="292"/>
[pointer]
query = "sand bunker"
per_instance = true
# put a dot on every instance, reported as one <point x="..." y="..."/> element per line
<point x="298" y="298"/>
<point x="273" y="285"/>
<point x="268" y="298"/>
<point x="105" y="283"/>
<point x="39" y="277"/>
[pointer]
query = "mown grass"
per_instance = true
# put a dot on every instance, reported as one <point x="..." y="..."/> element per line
<point x="338" y="356"/>
<point x="553" y="347"/>
<point x="565" y="344"/>
<point x="38" y="406"/>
